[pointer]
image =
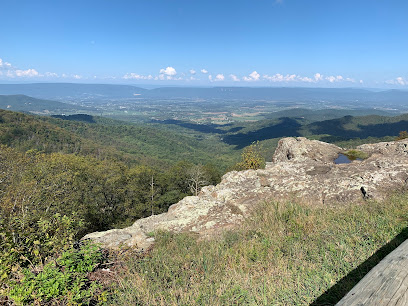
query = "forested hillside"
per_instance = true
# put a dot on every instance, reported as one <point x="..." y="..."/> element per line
<point x="109" y="139"/>
<point x="347" y="130"/>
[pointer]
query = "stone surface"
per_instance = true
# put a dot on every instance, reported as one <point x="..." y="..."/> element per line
<point x="302" y="170"/>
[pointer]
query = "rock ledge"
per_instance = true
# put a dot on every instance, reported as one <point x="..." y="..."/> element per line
<point x="302" y="169"/>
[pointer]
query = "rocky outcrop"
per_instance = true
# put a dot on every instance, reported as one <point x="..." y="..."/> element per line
<point x="302" y="170"/>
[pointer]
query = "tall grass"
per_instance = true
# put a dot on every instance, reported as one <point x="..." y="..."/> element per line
<point x="284" y="254"/>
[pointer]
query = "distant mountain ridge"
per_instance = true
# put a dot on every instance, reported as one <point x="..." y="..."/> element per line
<point x="59" y="90"/>
<point x="110" y="91"/>
<point x="28" y="104"/>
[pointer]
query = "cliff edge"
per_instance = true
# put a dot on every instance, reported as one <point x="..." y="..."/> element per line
<point x="301" y="170"/>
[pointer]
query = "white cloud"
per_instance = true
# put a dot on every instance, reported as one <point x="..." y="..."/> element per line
<point x="169" y="71"/>
<point x="72" y="76"/>
<point x="22" y="73"/>
<point x="282" y="78"/>
<point x="192" y="71"/>
<point x="204" y="71"/>
<point x="4" y="65"/>
<point x="234" y="78"/>
<point x="219" y="77"/>
<point x="254" y="76"/>
<point x="318" y="77"/>
<point x="315" y="79"/>
<point x="135" y="76"/>
<point x="401" y="81"/>
<point x="13" y="72"/>
<point x="397" y="81"/>
<point x="306" y="79"/>
<point x="361" y="81"/>
<point x="331" y="79"/>
<point x="51" y="75"/>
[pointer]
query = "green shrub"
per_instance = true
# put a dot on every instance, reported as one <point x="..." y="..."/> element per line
<point x="63" y="281"/>
<point x="39" y="265"/>
<point x="251" y="158"/>
<point x="24" y="244"/>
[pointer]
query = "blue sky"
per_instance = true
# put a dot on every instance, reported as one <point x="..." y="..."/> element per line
<point x="316" y="43"/>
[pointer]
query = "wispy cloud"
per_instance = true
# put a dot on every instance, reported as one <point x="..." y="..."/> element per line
<point x="4" y="65"/>
<point x="204" y="71"/>
<point x="280" y="77"/>
<point x="317" y="78"/>
<point x="22" y="73"/>
<point x="51" y="75"/>
<point x="397" y="81"/>
<point x="135" y="76"/>
<point x="10" y="71"/>
<point x="234" y="78"/>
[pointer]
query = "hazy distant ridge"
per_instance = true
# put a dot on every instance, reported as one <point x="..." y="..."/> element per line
<point x="101" y="91"/>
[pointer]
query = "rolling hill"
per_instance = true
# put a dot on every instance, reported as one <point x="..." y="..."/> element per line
<point x="38" y="106"/>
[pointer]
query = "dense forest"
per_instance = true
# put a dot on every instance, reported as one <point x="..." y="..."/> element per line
<point x="110" y="139"/>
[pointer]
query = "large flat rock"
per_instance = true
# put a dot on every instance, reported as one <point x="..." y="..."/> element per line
<point x="302" y="170"/>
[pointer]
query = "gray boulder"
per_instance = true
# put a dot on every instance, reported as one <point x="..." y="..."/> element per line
<point x="302" y="170"/>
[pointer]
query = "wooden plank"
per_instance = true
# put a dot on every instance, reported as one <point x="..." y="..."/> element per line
<point x="385" y="284"/>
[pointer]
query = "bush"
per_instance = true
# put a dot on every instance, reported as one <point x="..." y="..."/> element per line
<point x="63" y="281"/>
<point x="38" y="263"/>
<point x="24" y="243"/>
<point x="251" y="158"/>
<point x="402" y="135"/>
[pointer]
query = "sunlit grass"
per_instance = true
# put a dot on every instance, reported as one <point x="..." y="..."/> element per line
<point x="283" y="254"/>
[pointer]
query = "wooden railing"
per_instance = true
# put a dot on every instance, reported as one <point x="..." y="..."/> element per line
<point x="385" y="284"/>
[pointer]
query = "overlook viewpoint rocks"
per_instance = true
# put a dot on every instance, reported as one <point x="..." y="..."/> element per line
<point x="302" y="170"/>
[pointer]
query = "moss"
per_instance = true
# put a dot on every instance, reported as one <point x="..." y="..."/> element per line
<point x="356" y="154"/>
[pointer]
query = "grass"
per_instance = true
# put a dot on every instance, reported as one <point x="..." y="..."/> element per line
<point x="284" y="254"/>
<point x="356" y="154"/>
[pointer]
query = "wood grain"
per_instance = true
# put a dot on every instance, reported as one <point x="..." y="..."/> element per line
<point x="385" y="284"/>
